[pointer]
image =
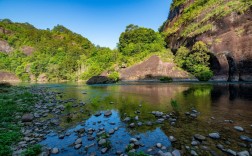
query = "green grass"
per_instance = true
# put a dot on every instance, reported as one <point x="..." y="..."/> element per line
<point x="14" y="101"/>
<point x="32" y="150"/>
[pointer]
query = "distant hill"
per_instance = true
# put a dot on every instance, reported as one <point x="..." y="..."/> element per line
<point x="57" y="54"/>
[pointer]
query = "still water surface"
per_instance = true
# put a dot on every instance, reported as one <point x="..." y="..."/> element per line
<point x="223" y="101"/>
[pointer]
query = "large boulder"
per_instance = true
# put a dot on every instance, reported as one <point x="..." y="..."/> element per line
<point x="99" y="80"/>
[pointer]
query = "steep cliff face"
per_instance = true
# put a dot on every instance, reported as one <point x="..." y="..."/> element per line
<point x="224" y="25"/>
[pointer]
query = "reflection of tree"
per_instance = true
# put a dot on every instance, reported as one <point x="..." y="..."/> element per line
<point x="197" y="96"/>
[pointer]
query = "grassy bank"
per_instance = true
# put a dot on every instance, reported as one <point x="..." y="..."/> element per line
<point x="14" y="102"/>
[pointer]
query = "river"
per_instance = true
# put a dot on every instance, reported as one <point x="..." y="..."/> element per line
<point x="218" y="108"/>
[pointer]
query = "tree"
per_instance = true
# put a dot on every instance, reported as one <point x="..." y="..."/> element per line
<point x="195" y="61"/>
<point x="181" y="56"/>
<point x="138" y="39"/>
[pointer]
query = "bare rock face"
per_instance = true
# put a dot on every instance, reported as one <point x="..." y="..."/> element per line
<point x="152" y="69"/>
<point x="230" y="42"/>
<point x="5" y="47"/>
<point x="99" y="80"/>
<point x="42" y="78"/>
<point x="27" y="50"/>
<point x="8" y="77"/>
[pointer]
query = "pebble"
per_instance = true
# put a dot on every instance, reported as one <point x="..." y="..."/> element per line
<point x="245" y="138"/>
<point x="161" y="153"/>
<point x="78" y="141"/>
<point x="61" y="136"/>
<point x="176" y="153"/>
<point x="159" y="145"/>
<point x="139" y="124"/>
<point x="132" y="125"/>
<point x="77" y="146"/>
<point x="107" y="113"/>
<point x="231" y="152"/>
<point x="199" y="137"/>
<point x="97" y="114"/>
<point x="112" y="131"/>
<point x="214" y="135"/>
<point x="194" y="143"/>
<point x="102" y="141"/>
<point x="243" y="153"/>
<point x="219" y="146"/>
<point x="193" y="153"/>
<point x="54" y="150"/>
<point x="238" y="128"/>
<point x="127" y="119"/>
<point x="119" y="152"/>
<point x="172" y="138"/>
<point x="193" y="115"/>
<point x="104" y="150"/>
<point x="132" y="140"/>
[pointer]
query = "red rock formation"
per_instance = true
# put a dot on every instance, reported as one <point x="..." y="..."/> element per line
<point x="154" y="68"/>
<point x="230" y="42"/>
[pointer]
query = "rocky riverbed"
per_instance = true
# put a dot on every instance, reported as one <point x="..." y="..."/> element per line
<point x="86" y="125"/>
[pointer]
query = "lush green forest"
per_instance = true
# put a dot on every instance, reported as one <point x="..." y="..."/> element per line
<point x="61" y="54"/>
<point x="64" y="55"/>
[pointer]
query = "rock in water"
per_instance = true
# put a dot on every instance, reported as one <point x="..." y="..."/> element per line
<point x="77" y="146"/>
<point x="55" y="150"/>
<point x="107" y="113"/>
<point x="78" y="141"/>
<point x="102" y="141"/>
<point x="27" y="117"/>
<point x="159" y="145"/>
<point x="104" y="150"/>
<point x="99" y="80"/>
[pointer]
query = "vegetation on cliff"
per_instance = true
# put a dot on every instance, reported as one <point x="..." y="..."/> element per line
<point x="196" y="18"/>
<point x="195" y="61"/>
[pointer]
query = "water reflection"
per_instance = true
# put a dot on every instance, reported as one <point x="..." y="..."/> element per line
<point x="223" y="101"/>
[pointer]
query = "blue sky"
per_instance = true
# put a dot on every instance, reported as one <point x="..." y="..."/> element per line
<point x="101" y="21"/>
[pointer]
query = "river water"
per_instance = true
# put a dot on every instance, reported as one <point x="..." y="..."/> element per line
<point x="216" y="104"/>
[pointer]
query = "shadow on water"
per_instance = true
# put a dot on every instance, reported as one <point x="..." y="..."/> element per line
<point x="140" y="99"/>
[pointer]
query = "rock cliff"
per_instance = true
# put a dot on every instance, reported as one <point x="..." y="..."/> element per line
<point x="154" y="68"/>
<point x="225" y="26"/>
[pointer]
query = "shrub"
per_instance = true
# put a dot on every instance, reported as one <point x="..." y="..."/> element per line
<point x="181" y="56"/>
<point x="165" y="79"/>
<point x="33" y="150"/>
<point x="115" y="76"/>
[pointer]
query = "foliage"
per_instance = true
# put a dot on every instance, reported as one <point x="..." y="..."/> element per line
<point x="175" y="106"/>
<point x="194" y="19"/>
<point x="195" y="61"/>
<point x="165" y="79"/>
<point x="61" y="54"/>
<point x="181" y="56"/>
<point x="141" y="153"/>
<point x="33" y="150"/>
<point x="115" y="76"/>
<point x="138" y="39"/>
